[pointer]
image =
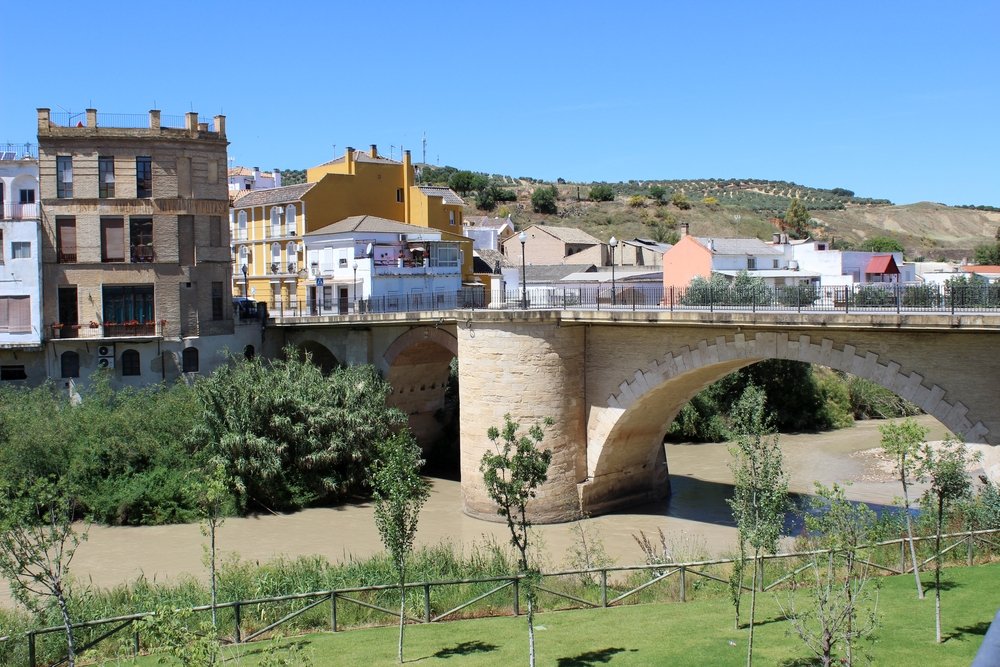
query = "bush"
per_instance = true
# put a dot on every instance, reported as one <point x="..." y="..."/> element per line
<point x="680" y="201"/>
<point x="543" y="200"/>
<point x="602" y="192"/>
<point x="657" y="193"/>
<point x="797" y="295"/>
<point x="744" y="290"/>
<point x="882" y="244"/>
<point x="636" y="201"/>
<point x="874" y="296"/>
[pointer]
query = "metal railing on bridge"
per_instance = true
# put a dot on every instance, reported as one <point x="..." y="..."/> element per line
<point x="860" y="298"/>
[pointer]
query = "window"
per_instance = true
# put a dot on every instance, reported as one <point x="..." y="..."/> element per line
<point x="751" y="263"/>
<point x="215" y="230"/>
<point x="291" y="254"/>
<point x="68" y="313"/>
<point x="64" y="176"/>
<point x="112" y="239"/>
<point x="141" y="239"/>
<point x="1" y="246"/>
<point x="144" y="177"/>
<point x="15" y="314"/>
<point x="774" y="263"/>
<point x="189" y="360"/>
<point x="12" y="373"/>
<point x="217" y="311"/>
<point x="248" y="352"/>
<point x="451" y="217"/>
<point x="130" y="363"/>
<point x="69" y="364"/>
<point x="66" y="239"/>
<point x="275" y="257"/>
<point x="244" y="254"/>
<point x="241" y="226"/>
<point x="399" y="195"/>
<point x="27" y="196"/>
<point x="290" y="220"/>
<point x="20" y="250"/>
<point x="128" y="303"/>
<point x="275" y="221"/>
<point x="105" y="177"/>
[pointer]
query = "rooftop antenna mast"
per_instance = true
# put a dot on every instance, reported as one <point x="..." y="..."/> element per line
<point x="424" y="142"/>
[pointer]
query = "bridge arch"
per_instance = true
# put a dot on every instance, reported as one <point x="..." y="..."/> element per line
<point x="321" y="355"/>
<point x="625" y="460"/>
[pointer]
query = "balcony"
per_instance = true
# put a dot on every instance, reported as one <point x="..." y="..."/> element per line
<point x="92" y="330"/>
<point x="12" y="211"/>
<point x="279" y="269"/>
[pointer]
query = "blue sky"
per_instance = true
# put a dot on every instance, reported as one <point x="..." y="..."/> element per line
<point x="890" y="99"/>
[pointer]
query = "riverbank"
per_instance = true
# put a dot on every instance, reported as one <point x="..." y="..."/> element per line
<point x="696" y="519"/>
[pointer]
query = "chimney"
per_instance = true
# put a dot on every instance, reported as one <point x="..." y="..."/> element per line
<point x="154" y="119"/>
<point x="407" y="183"/>
<point x="684" y="229"/>
<point x="373" y="151"/>
<point x="44" y="117"/>
<point x="775" y="238"/>
<point x="91" y="117"/>
<point x="191" y="121"/>
<point x="349" y="159"/>
<point x="277" y="178"/>
<point x="220" y="125"/>
<point x="256" y="174"/>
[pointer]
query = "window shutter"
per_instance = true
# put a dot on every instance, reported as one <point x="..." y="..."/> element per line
<point x="20" y="314"/>
<point x="66" y="231"/>
<point x="113" y="240"/>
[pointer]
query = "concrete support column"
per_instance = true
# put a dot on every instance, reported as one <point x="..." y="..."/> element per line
<point x="532" y="369"/>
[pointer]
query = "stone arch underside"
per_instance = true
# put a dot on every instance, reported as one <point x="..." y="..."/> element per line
<point x="625" y="461"/>
<point x="321" y="355"/>
<point x="418" y="366"/>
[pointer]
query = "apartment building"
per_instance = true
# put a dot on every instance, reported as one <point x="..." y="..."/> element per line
<point x="136" y="262"/>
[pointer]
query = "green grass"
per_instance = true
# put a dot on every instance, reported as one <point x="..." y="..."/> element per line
<point x="693" y="633"/>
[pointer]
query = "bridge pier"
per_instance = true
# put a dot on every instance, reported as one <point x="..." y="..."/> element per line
<point x="531" y="368"/>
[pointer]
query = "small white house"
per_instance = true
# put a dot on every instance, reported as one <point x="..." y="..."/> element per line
<point x="365" y="263"/>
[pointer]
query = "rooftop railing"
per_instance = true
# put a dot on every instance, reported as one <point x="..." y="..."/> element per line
<point x="18" y="151"/>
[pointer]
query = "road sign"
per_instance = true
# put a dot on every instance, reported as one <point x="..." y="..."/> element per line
<point x="319" y="281"/>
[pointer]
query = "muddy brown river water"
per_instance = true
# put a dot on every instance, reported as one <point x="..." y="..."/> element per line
<point x="695" y="519"/>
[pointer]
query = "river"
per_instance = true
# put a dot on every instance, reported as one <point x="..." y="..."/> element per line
<point x="695" y="519"/>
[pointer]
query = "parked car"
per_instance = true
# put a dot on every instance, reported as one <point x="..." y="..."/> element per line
<point x="244" y="308"/>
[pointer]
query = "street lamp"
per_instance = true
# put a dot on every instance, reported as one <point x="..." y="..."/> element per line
<point x="246" y="289"/>
<point x="355" y="286"/>
<point x="614" y="244"/>
<point x="522" y="237"/>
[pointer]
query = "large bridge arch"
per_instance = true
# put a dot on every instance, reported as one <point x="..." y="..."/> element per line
<point x="625" y="461"/>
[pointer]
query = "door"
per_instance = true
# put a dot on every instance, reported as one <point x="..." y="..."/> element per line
<point x="68" y="315"/>
<point x="342" y="301"/>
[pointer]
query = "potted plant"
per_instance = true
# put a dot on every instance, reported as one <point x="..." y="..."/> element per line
<point x="94" y="325"/>
<point x="57" y="325"/>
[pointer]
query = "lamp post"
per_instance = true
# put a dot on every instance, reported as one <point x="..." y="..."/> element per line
<point x="522" y="237"/>
<point x="355" y="286"/>
<point x="246" y="284"/>
<point x="613" y="243"/>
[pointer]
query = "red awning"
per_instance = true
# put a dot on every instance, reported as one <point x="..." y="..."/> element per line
<point x="882" y="264"/>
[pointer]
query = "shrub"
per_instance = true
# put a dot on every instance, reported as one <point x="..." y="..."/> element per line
<point x="882" y="244"/>
<point x="657" y="193"/>
<point x="543" y="200"/>
<point x="636" y="201"/>
<point x="602" y="192"/>
<point x="680" y="201"/>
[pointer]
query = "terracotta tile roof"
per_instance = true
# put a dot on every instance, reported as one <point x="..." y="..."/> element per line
<point x="486" y="222"/>
<point x="447" y="194"/>
<point x="363" y="156"/>
<point x="568" y="234"/>
<point x="491" y="257"/>
<point x="883" y="264"/>
<point x="371" y="224"/>
<point x="282" y="195"/>
<point x="727" y="246"/>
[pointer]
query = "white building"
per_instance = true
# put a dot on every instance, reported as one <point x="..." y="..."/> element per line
<point x="839" y="268"/>
<point x="487" y="233"/>
<point x="21" y="356"/>
<point x="242" y="179"/>
<point x="365" y="263"/>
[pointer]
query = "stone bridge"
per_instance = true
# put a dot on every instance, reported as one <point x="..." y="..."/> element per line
<point x="614" y="381"/>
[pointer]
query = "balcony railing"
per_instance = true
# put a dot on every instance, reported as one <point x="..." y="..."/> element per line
<point x="131" y="329"/>
<point x="19" y="211"/>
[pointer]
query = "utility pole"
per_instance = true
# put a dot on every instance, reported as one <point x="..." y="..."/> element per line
<point x="424" y="142"/>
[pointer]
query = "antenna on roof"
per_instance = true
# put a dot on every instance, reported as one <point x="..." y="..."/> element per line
<point x="424" y="142"/>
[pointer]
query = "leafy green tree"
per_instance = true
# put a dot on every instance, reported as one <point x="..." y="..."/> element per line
<point x="945" y="468"/>
<point x="657" y="193"/>
<point x="743" y="290"/>
<point x="881" y="244"/>
<point x="760" y="490"/>
<point x="465" y="182"/>
<point x="211" y="496"/>
<point x="840" y="596"/>
<point x="842" y="192"/>
<point x="901" y="442"/>
<point x="797" y="218"/>
<point x="400" y="493"/>
<point x="511" y="474"/>
<point x="289" y="436"/>
<point x="543" y="200"/>
<point x="988" y="253"/>
<point x="602" y="192"/>
<point x="680" y="201"/>
<point x="37" y="543"/>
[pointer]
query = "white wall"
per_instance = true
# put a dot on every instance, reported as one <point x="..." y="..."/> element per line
<point x="21" y="277"/>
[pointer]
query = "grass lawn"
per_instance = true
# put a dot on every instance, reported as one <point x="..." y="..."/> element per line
<point x="699" y="632"/>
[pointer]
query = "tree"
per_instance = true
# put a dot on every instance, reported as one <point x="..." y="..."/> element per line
<point x="399" y="493"/>
<point x="797" y="218"/>
<point x="839" y="595"/>
<point x="944" y="467"/>
<point x="680" y="201"/>
<point x="901" y="442"/>
<point x="988" y="253"/>
<point x="37" y="543"/>
<point x="602" y="192"/>
<point x="211" y="495"/>
<point x="465" y="182"/>
<point x="760" y="488"/>
<point x="289" y="436"/>
<point x="512" y="474"/>
<point x="842" y="192"/>
<point x="882" y="244"/>
<point x="657" y="193"/>
<point x="543" y="200"/>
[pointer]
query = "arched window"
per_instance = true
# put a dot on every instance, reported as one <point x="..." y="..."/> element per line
<point x="275" y="221"/>
<point x="290" y="220"/>
<point x="248" y="352"/>
<point x="244" y="257"/>
<point x="275" y="257"/>
<point x="130" y="362"/>
<point x="291" y="255"/>
<point x="189" y="360"/>
<point x="69" y="364"/>
<point x="241" y="226"/>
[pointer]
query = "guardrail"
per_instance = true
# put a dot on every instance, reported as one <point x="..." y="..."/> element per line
<point x="11" y="151"/>
<point x="658" y="573"/>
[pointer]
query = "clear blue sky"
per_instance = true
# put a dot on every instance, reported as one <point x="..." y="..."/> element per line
<point x="890" y="99"/>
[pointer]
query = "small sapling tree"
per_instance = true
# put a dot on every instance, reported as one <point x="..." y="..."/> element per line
<point x="760" y="487"/>
<point x="211" y="493"/>
<point x="37" y="544"/>
<point x="512" y="473"/>
<point x="901" y="442"/>
<point x="400" y="493"/>
<point x="945" y="468"/>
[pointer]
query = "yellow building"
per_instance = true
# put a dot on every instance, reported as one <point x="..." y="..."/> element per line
<point x="268" y="224"/>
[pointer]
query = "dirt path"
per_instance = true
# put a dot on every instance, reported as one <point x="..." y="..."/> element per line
<point x="696" y="519"/>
